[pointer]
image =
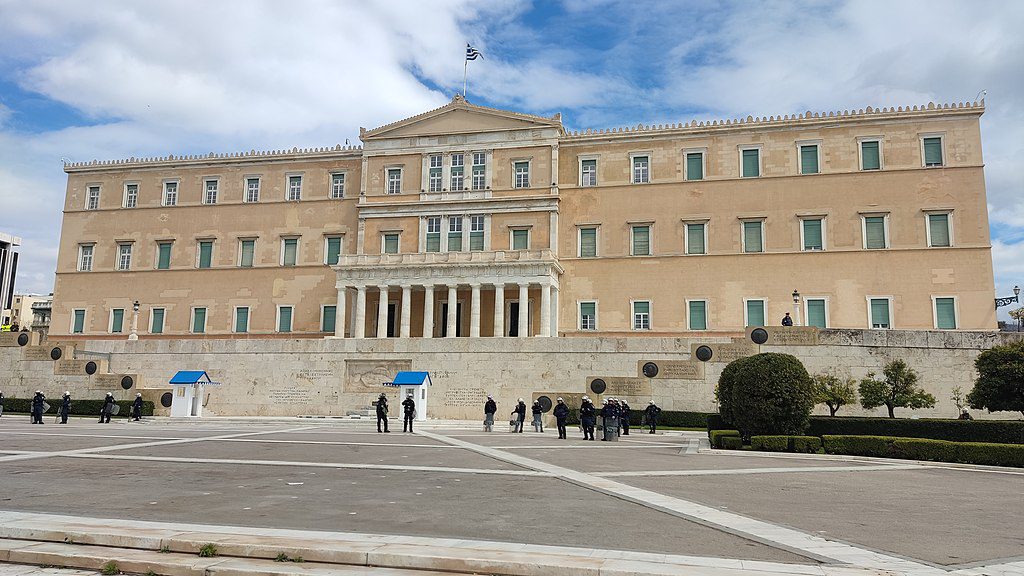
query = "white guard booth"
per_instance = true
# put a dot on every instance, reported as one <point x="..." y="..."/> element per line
<point x="417" y="383"/>
<point x="189" y="387"/>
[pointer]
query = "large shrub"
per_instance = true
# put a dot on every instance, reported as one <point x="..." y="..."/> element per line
<point x="766" y="394"/>
<point x="926" y="449"/>
<point x="1000" y="383"/>
<point x="997" y="431"/>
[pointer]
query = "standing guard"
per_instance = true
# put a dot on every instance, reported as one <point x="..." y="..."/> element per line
<point x="37" y="407"/>
<point x="561" y="412"/>
<point x="588" y="418"/>
<point x="382" y="413"/>
<point x="624" y="417"/>
<point x="519" y="416"/>
<point x="537" y="411"/>
<point x="490" y="407"/>
<point x="108" y="407"/>
<point x="137" y="407"/>
<point x="651" y="413"/>
<point x="409" y="407"/>
<point x="65" y="407"/>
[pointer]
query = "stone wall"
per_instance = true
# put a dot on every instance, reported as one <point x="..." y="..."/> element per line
<point x="332" y="377"/>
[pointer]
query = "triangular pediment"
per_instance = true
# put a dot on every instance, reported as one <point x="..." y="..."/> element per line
<point x="461" y="117"/>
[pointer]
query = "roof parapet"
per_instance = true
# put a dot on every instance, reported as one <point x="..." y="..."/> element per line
<point x="212" y="157"/>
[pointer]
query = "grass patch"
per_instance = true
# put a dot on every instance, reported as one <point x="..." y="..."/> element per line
<point x="208" y="551"/>
<point x="110" y="569"/>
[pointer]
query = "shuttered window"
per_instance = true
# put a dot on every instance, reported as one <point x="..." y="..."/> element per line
<point x="751" y="163"/>
<point x="755" y="312"/>
<point x="874" y="232"/>
<point x="809" y="159"/>
<point x="198" y="320"/>
<point x="588" y="242"/>
<point x="284" y="319"/>
<point x="78" y="321"/>
<point x="816" y="313"/>
<point x="433" y="234"/>
<point x="870" y="157"/>
<point x="391" y="243"/>
<point x="753" y="240"/>
<point x="333" y="249"/>
<point x="933" y="151"/>
<point x="698" y="315"/>
<point x="641" y="240"/>
<point x="455" y="234"/>
<point x="945" y="314"/>
<point x="476" y="233"/>
<point x="880" y="313"/>
<point x="812" y="235"/>
<point x="157" y="321"/>
<point x="588" y="315"/>
<point x="641" y="315"/>
<point x="290" y="251"/>
<point x="938" y="230"/>
<point x="163" y="259"/>
<point x="248" y="251"/>
<point x="242" y="319"/>
<point x="520" y="239"/>
<point x="206" y="254"/>
<point x="117" y="320"/>
<point x="327" y="322"/>
<point x="695" y="239"/>
<point x="694" y="166"/>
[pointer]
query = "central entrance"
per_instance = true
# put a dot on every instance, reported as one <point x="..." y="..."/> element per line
<point x="443" y="319"/>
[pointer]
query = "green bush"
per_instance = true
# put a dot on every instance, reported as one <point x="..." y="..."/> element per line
<point x="717" y="422"/>
<point x="997" y="431"/>
<point x="1000" y="384"/>
<point x="717" y="436"/>
<point x="805" y="444"/>
<point x="770" y="443"/>
<point x="78" y="407"/>
<point x="732" y="443"/>
<point x="925" y="449"/>
<point x="766" y="394"/>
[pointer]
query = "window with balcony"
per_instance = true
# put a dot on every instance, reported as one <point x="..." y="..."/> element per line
<point x="390" y="243"/>
<point x="332" y="250"/>
<point x="520" y="238"/>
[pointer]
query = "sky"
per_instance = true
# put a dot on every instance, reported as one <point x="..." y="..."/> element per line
<point x="107" y="79"/>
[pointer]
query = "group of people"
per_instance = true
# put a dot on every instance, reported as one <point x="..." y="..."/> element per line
<point x="408" y="412"/>
<point x="39" y="407"/>
<point x="613" y="410"/>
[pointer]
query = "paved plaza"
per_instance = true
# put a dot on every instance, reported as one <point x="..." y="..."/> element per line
<point x="661" y="494"/>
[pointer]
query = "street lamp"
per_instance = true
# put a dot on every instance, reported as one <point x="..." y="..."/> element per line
<point x="135" y="321"/>
<point x="1000" y="302"/>
<point x="796" y="307"/>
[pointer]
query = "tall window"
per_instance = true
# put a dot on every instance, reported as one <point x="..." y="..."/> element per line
<point x="697" y="314"/>
<point x="77" y="321"/>
<point x="241" y="319"/>
<point x="455" y="234"/>
<point x="458" y="175"/>
<point x="476" y="233"/>
<point x="131" y="195"/>
<point x="210" y="196"/>
<point x="809" y="159"/>
<point x="294" y="188"/>
<point x="156" y="321"/>
<point x="85" y="252"/>
<point x="284" y="318"/>
<point x="205" y="256"/>
<point x="588" y="315"/>
<point x="390" y="245"/>
<point x="641" y="169"/>
<point x="588" y="173"/>
<point x="641" y="240"/>
<point x="812" y="234"/>
<point x="755" y="312"/>
<point x="816" y="312"/>
<point x="878" y="309"/>
<point x="328" y="318"/>
<point x="289" y="251"/>
<point x="92" y="199"/>
<point x="394" y="181"/>
<point x="875" y="233"/>
<point x="198" y="320"/>
<point x="163" y="255"/>
<point x="641" y="315"/>
<point x="696" y="238"/>
<point x="433" y="234"/>
<point x="117" y="320"/>
<point x="938" y="231"/>
<point x="332" y="250"/>
<point x="871" y="155"/>
<point x="932" y="147"/>
<point x="753" y="236"/>
<point x="521" y="239"/>
<point x="588" y="242"/>
<point x="522" y="174"/>
<point x="252" y="190"/>
<point x="338" y="185"/>
<point x="434" y="178"/>
<point x="479" y="170"/>
<point x="945" y="313"/>
<point x="124" y="256"/>
<point x="694" y="165"/>
<point x="170" y="194"/>
<point x="246" y="253"/>
<point x="751" y="162"/>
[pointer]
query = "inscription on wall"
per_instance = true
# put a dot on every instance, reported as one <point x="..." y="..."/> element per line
<point x="465" y="397"/>
<point x="290" y="395"/>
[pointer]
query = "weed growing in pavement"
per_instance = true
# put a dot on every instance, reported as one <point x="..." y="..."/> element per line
<point x="282" y="557"/>
<point x="110" y="569"/>
<point x="208" y="550"/>
<point x="298" y="559"/>
<point x="165" y="550"/>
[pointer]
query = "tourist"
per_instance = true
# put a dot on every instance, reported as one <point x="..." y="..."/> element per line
<point x="651" y="413"/>
<point x="538" y="411"/>
<point x="409" y="407"/>
<point x="37" y="407"/>
<point x="588" y="418"/>
<point x="382" y="413"/>
<point x="137" y="407"/>
<point x="624" y="409"/>
<point x="65" y="407"/>
<point x="108" y="407"/>
<point x="490" y="407"/>
<point x="787" y="320"/>
<point x="519" y="416"/>
<point x="561" y="412"/>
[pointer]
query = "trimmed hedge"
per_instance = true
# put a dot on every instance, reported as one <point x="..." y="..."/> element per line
<point x="804" y="444"/>
<point x="667" y="418"/>
<point x="78" y="407"/>
<point x="766" y="394"/>
<point x="732" y="443"/>
<point x="718" y="435"/>
<point x="991" y="454"/>
<point x="990" y="431"/>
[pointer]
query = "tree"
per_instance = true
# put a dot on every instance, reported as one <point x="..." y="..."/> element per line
<point x="898" y="390"/>
<point x="834" y="392"/>
<point x="766" y="394"/>
<point x="1000" y="383"/>
<point x="1018" y="315"/>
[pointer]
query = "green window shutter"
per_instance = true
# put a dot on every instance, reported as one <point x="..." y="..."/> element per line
<point x="79" y="323"/>
<point x="870" y="158"/>
<point x="455" y="241"/>
<point x="158" y="321"/>
<point x="938" y="225"/>
<point x="199" y="320"/>
<point x="391" y="243"/>
<point x="755" y="312"/>
<point x="809" y="159"/>
<point x="588" y="315"/>
<point x="476" y="240"/>
<point x="751" y="167"/>
<point x="641" y="240"/>
<point x="879" y="313"/>
<point x="933" y="151"/>
<point x="433" y="241"/>
<point x="874" y="231"/>
<point x="588" y="308"/>
<point x="330" y="312"/>
<point x="816" y="313"/>
<point x="333" y="250"/>
<point x="284" y="323"/>
<point x="164" y="259"/>
<point x="698" y="315"/>
<point x="695" y="239"/>
<point x="694" y="166"/>
<point x="588" y="242"/>
<point x="945" y="314"/>
<point x="117" y="320"/>
<point x="291" y="246"/>
<point x="248" y="252"/>
<point x="520" y="239"/>
<point x="752" y="241"/>
<point x="812" y="235"/>
<point x="206" y="254"/>
<point x="641" y="307"/>
<point x="241" y="320"/>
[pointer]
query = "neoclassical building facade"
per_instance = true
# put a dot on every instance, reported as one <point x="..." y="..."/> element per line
<point x="467" y="221"/>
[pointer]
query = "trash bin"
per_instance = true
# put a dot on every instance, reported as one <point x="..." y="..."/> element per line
<point x="611" y="428"/>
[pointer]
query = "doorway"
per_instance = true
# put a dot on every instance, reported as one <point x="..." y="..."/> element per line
<point x="443" y="320"/>
<point x="392" y="318"/>
<point x="512" y="318"/>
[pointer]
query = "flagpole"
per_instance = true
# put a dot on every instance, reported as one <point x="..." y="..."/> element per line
<point x="465" y="72"/>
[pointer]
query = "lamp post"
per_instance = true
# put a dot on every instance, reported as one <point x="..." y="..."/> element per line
<point x="1000" y="302"/>
<point x="796" y="308"/>
<point x="135" y="321"/>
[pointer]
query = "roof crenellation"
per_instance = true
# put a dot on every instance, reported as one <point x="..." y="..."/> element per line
<point x="214" y="156"/>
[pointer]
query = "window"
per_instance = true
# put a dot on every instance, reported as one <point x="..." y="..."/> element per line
<point x="246" y="253"/>
<point x="588" y="242"/>
<point x="750" y="162"/>
<point x="205" y="254"/>
<point x="694" y="166"/>
<point x="284" y="318"/>
<point x="588" y="172"/>
<point x="641" y="169"/>
<point x="808" y="158"/>
<point x="210" y="196"/>
<point x="170" y="194"/>
<point x="588" y="315"/>
<point x="938" y="231"/>
<point x="522" y="174"/>
<point x="871" y="155"/>
<point x="521" y="239"/>
<point x="875" y="237"/>
<point x="458" y="172"/>
<point x="878" y="311"/>
<point x="931" y="150"/>
<point x="753" y="236"/>
<point x="435" y="176"/>
<point x="327" y="318"/>
<point x="697" y="314"/>
<point x="945" y="313"/>
<point x="337" y="185"/>
<point x="816" y="312"/>
<point x="433" y="234"/>
<point x="92" y="198"/>
<point x="811" y="234"/>
<point x="241" y="319"/>
<point x="77" y="321"/>
<point x="252" y="190"/>
<point x="289" y="251"/>
<point x="754" y="312"/>
<point x="124" y="256"/>
<point x="641" y="240"/>
<point x="294" y="188"/>
<point x="479" y="170"/>
<point x="163" y="255"/>
<point x="117" y="320"/>
<point x="641" y="315"/>
<point x="390" y="244"/>
<point x="476" y="233"/>
<point x="198" y="320"/>
<point x="332" y="250"/>
<point x="156" y="321"/>
<point x="696" y="237"/>
<point x="455" y="234"/>
<point x="85" y="257"/>
<point x="394" y="181"/>
<point x="131" y="195"/>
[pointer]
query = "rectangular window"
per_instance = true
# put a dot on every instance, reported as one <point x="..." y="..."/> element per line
<point x="812" y="234"/>
<point x="198" y="320"/>
<point x="170" y="194"/>
<point x="588" y="315"/>
<point x="874" y="233"/>
<point x="124" y="256"/>
<point x="870" y="155"/>
<point x="695" y="235"/>
<point x="755" y="312"/>
<point x="289" y="251"/>
<point x="294" y="188"/>
<point x="641" y="315"/>
<point x="479" y="170"/>
<point x="588" y="242"/>
<point x="92" y="199"/>
<point x="163" y="258"/>
<point x="945" y="314"/>
<point x="698" y="314"/>
<point x="242" y="319"/>
<point x="85" y="257"/>
<point x="252" y="190"/>
<point x="205" y="259"/>
<point x="328" y="317"/>
<point x="933" y="151"/>
<point x="522" y="174"/>
<point x="641" y="170"/>
<point x="694" y="165"/>
<point x="433" y="234"/>
<point x="131" y="195"/>
<point x="284" y="319"/>
<point x="77" y="321"/>
<point x="588" y="173"/>
<point x="816" y="315"/>
<point x="455" y="234"/>
<point x="390" y="244"/>
<point x="753" y="236"/>
<point x="434" y="178"/>
<point x="809" y="159"/>
<point x="938" y="231"/>
<point x="879" y="310"/>
<point x="117" y="320"/>
<point x="458" y="172"/>
<point x="521" y="239"/>
<point x="210" y="196"/>
<point x="246" y="253"/>
<point x="751" y="163"/>
<point x="641" y="241"/>
<point x="338" y="185"/>
<point x="332" y="250"/>
<point x="394" y="181"/>
<point x="156" y="321"/>
<point x="476" y="233"/>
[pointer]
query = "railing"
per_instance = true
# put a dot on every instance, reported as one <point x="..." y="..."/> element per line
<point x="491" y="257"/>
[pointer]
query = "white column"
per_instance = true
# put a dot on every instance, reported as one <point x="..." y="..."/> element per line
<point x="339" y="313"/>
<point x="428" y="311"/>
<point x="524" y="304"/>
<point x="545" y="309"/>
<point x="360" y="331"/>
<point x="406" y="311"/>
<point x="554" y="312"/>
<point x="453" y="305"/>
<point x="474" y="312"/>
<point x="382" y="313"/>
<point x="499" y="310"/>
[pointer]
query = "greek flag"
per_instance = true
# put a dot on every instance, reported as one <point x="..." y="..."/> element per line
<point x="472" y="53"/>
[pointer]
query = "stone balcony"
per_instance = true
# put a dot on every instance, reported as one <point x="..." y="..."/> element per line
<point x="441" y="258"/>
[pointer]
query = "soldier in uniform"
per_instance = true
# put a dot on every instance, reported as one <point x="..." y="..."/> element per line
<point x="652" y="412"/>
<point x="537" y="411"/>
<point x="382" y="413"/>
<point x="588" y="418"/>
<point x="108" y="406"/>
<point x="624" y="417"/>
<point x="37" y="407"/>
<point x="490" y="407"/>
<point x="561" y="412"/>
<point x="519" y="415"/>
<point x="65" y="407"/>
<point x="409" y="408"/>
<point x="137" y="407"/>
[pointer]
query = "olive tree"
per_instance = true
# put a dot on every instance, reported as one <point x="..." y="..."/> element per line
<point x="898" y="389"/>
<point x="834" y="392"/>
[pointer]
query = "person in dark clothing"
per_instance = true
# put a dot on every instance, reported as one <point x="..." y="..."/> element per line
<point x="65" y="407"/>
<point x="37" y="407"/>
<point x="651" y="413"/>
<point x="382" y="413"/>
<point x="624" y="412"/>
<point x="409" y="409"/>
<point x="108" y="407"/>
<point x="537" y="411"/>
<point x="609" y="411"/>
<point x="490" y="407"/>
<point x="561" y="412"/>
<point x="787" y="320"/>
<point x="137" y="407"/>
<point x="588" y="418"/>
<point x="1" y="403"/>
<point x="520" y="415"/>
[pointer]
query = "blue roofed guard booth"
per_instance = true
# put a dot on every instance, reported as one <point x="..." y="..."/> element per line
<point x="189" y="386"/>
<point x="414" y="383"/>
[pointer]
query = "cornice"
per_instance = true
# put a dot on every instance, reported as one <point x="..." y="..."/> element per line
<point x="213" y="158"/>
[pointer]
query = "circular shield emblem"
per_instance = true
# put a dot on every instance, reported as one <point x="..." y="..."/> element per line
<point x="650" y="369"/>
<point x="704" y="353"/>
<point x="90" y="367"/>
<point x="545" y="404"/>
<point x="598" y="386"/>
<point x="56" y="353"/>
<point x="127" y="382"/>
<point x="759" y="336"/>
<point x="165" y="399"/>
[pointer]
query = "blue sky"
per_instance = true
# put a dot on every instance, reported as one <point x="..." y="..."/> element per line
<point x="114" y="79"/>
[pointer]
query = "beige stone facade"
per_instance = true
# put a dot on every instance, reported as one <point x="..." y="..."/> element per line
<point x="876" y="217"/>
